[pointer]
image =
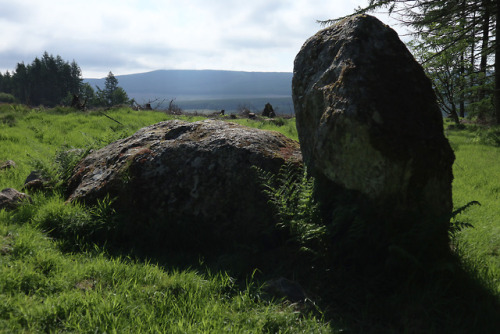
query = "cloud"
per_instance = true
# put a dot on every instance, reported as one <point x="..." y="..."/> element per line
<point x="129" y="36"/>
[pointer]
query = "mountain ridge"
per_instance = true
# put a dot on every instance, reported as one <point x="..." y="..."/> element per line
<point x="206" y="83"/>
<point x="188" y="86"/>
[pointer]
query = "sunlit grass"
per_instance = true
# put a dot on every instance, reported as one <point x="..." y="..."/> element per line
<point x="477" y="178"/>
<point x="38" y="135"/>
<point x="285" y="126"/>
<point x="43" y="289"/>
<point x="52" y="280"/>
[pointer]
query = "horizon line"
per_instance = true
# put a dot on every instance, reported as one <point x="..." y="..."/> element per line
<point x="193" y="70"/>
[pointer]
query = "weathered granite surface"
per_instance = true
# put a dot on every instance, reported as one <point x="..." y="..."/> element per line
<point x="198" y="174"/>
<point x="368" y="120"/>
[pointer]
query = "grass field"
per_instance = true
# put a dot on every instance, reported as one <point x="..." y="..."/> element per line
<point x="48" y="286"/>
<point x="477" y="178"/>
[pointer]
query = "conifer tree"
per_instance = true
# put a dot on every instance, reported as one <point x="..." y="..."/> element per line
<point x="46" y="81"/>
<point x="112" y="94"/>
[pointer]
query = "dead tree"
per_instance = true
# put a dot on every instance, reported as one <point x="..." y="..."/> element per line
<point x="77" y="103"/>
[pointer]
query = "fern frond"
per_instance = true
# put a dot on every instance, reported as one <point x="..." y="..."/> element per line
<point x="291" y="193"/>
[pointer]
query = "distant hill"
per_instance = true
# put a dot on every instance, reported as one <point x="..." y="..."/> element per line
<point x="210" y="89"/>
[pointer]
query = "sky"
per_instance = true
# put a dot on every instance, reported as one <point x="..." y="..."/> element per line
<point x="133" y="36"/>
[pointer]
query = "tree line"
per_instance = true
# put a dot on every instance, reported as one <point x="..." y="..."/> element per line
<point x="51" y="81"/>
<point x="456" y="43"/>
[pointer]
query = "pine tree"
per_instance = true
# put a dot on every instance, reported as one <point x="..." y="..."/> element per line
<point x="446" y="75"/>
<point x="111" y="94"/>
<point x="46" y="81"/>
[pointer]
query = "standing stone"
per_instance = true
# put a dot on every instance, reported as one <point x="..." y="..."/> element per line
<point x="368" y="120"/>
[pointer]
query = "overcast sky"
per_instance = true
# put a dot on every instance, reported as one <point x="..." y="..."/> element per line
<point x="131" y="36"/>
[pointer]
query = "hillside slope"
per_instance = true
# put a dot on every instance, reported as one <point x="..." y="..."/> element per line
<point x="198" y="89"/>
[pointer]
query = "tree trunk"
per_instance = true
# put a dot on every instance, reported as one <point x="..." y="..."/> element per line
<point x="497" y="67"/>
<point x="473" y="59"/>
<point x="453" y="114"/>
<point x="462" y="85"/>
<point x="484" y="55"/>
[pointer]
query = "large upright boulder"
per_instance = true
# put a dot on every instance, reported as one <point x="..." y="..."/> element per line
<point x="368" y="120"/>
<point x="192" y="180"/>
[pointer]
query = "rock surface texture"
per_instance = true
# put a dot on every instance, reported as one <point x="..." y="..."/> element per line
<point x="35" y="181"/>
<point x="11" y="198"/>
<point x="198" y="175"/>
<point x="7" y="164"/>
<point x="368" y="120"/>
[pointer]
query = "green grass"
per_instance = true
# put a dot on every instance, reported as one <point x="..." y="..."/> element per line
<point x="36" y="135"/>
<point x="44" y="290"/>
<point x="285" y="126"/>
<point x="477" y="178"/>
<point x="54" y="279"/>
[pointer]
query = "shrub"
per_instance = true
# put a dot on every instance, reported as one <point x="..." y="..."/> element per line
<point x="63" y="110"/>
<point x="280" y="121"/>
<point x="66" y="161"/>
<point x="57" y="171"/>
<point x="349" y="232"/>
<point x="7" y="98"/>
<point x="9" y="119"/>
<point x="488" y="136"/>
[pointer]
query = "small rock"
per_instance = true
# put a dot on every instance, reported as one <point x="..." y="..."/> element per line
<point x="244" y="113"/>
<point x="11" y="198"/>
<point x="7" y="165"/>
<point x="285" y="288"/>
<point x="35" y="181"/>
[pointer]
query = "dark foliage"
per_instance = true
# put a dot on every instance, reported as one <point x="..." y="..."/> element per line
<point x="46" y="81"/>
<point x="371" y="274"/>
<point x="7" y="98"/>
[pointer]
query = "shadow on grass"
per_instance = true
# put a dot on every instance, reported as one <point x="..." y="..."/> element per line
<point x="360" y="293"/>
<point x="363" y="298"/>
<point x="434" y="300"/>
